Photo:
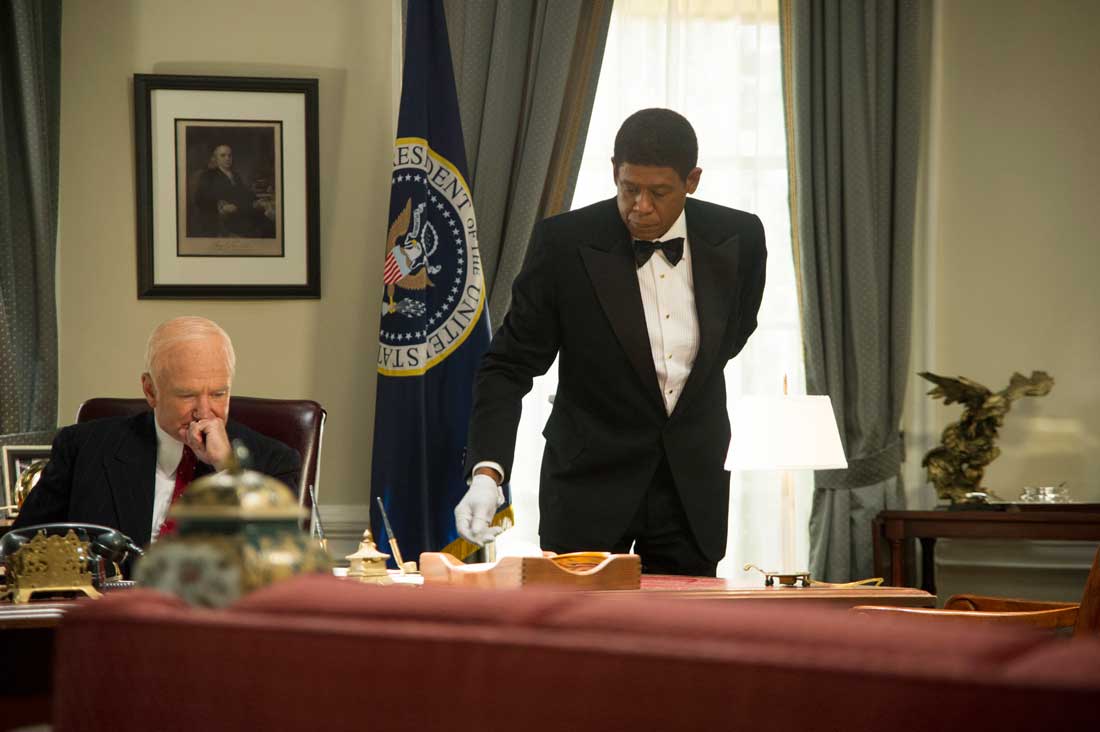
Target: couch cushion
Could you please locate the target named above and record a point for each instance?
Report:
(751, 629)
(319, 653)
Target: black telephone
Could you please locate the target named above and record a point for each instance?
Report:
(108, 547)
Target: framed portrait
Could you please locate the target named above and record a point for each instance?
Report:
(18, 459)
(227, 187)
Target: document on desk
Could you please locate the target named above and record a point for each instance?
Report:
(395, 575)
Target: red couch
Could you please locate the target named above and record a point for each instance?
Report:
(317, 653)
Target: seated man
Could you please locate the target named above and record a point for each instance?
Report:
(124, 472)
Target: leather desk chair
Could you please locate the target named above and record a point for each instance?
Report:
(298, 423)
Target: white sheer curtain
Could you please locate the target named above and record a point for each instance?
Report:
(718, 63)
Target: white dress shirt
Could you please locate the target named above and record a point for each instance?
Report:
(668, 301)
(169, 452)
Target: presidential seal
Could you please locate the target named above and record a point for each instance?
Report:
(433, 290)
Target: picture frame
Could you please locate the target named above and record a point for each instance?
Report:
(16, 459)
(228, 200)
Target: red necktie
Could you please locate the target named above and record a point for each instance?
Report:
(184, 473)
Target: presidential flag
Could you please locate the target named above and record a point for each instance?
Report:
(434, 321)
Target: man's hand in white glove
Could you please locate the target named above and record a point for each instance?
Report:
(475, 511)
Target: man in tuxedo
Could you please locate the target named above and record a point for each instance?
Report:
(125, 472)
(643, 299)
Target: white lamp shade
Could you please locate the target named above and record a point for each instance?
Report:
(784, 433)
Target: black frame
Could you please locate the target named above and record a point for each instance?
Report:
(144, 86)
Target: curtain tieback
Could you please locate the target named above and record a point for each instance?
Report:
(863, 470)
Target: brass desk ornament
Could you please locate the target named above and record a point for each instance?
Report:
(239, 530)
(54, 563)
(803, 579)
(785, 579)
(28, 479)
(63, 558)
(368, 565)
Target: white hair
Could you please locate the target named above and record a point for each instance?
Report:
(186, 328)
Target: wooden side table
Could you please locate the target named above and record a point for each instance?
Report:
(893, 529)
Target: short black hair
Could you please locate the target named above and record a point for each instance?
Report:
(658, 137)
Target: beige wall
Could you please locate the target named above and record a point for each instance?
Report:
(1014, 244)
(319, 349)
(1012, 262)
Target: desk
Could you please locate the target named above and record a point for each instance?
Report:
(33, 615)
(26, 676)
(892, 529)
(713, 589)
(668, 587)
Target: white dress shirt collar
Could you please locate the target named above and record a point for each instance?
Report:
(169, 451)
(678, 228)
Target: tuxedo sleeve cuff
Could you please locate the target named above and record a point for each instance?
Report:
(486, 464)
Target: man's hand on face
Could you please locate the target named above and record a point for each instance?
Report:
(208, 440)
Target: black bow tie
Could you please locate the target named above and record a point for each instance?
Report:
(673, 249)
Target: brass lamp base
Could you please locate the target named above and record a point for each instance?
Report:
(785, 579)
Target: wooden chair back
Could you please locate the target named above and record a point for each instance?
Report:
(1083, 617)
(1088, 615)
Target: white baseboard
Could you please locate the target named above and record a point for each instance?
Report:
(343, 526)
(1040, 570)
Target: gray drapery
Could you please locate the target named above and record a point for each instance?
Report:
(852, 97)
(30, 84)
(526, 72)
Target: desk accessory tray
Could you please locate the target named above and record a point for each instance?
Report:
(578, 570)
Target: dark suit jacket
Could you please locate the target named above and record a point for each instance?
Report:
(213, 186)
(578, 298)
(103, 472)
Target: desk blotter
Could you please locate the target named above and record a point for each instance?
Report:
(580, 570)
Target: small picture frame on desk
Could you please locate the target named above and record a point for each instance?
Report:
(18, 459)
(228, 204)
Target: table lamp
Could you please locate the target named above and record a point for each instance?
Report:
(785, 433)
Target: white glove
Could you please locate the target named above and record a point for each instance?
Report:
(475, 511)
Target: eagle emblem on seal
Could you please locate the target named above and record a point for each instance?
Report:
(410, 244)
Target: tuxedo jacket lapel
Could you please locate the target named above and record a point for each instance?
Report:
(714, 274)
(130, 475)
(610, 267)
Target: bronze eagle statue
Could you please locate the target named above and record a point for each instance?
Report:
(956, 466)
